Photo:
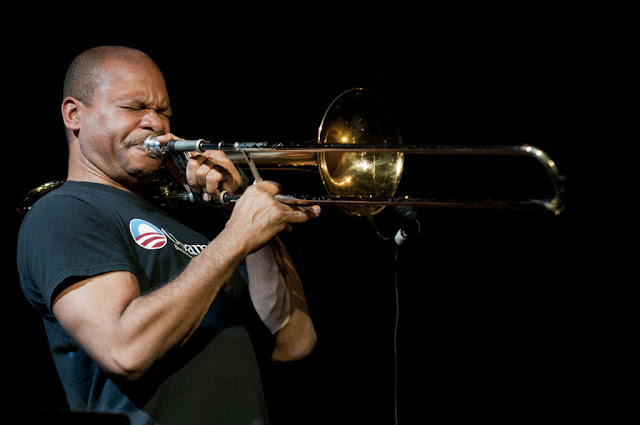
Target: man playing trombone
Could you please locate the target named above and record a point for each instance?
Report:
(145, 316)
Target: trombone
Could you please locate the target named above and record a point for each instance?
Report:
(360, 158)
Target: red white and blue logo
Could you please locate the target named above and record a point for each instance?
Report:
(146, 234)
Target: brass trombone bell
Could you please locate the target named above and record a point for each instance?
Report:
(359, 117)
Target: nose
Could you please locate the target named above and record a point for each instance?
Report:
(155, 122)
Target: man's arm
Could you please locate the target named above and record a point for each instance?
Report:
(126, 332)
(279, 299)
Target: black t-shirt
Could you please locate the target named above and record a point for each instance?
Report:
(86, 229)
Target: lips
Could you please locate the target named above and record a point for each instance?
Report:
(137, 143)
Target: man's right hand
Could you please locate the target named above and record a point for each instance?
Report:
(257, 217)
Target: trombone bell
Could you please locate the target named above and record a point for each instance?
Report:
(359, 117)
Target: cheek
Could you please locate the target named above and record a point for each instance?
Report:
(98, 133)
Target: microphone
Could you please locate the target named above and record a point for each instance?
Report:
(410, 225)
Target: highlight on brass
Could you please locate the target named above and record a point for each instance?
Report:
(359, 155)
(28, 199)
(359, 117)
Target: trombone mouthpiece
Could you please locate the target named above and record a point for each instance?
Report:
(153, 147)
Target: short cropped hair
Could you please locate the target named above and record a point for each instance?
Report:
(85, 71)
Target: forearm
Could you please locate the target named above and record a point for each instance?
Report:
(268, 287)
(279, 299)
(153, 324)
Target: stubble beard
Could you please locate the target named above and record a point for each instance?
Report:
(140, 167)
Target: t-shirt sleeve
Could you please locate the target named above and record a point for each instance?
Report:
(63, 241)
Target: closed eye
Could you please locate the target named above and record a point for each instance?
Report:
(130, 107)
(166, 112)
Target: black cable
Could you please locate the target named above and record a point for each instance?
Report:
(395, 339)
(409, 227)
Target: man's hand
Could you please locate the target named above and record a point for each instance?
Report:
(257, 217)
(209, 172)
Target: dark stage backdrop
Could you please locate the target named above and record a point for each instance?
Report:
(503, 315)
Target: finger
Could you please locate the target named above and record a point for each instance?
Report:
(211, 180)
(209, 177)
(231, 179)
(165, 138)
(193, 165)
(302, 214)
(228, 178)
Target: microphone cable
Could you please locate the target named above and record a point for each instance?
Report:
(409, 227)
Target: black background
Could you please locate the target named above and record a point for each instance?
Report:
(503, 315)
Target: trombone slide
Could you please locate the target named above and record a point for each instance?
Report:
(305, 154)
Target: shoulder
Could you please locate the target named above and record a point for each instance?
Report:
(69, 233)
(70, 193)
(61, 210)
(70, 223)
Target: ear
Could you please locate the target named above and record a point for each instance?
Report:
(70, 113)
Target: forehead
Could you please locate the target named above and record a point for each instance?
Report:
(132, 80)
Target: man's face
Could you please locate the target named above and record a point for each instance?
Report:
(130, 103)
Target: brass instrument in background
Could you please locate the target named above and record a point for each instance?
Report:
(359, 155)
